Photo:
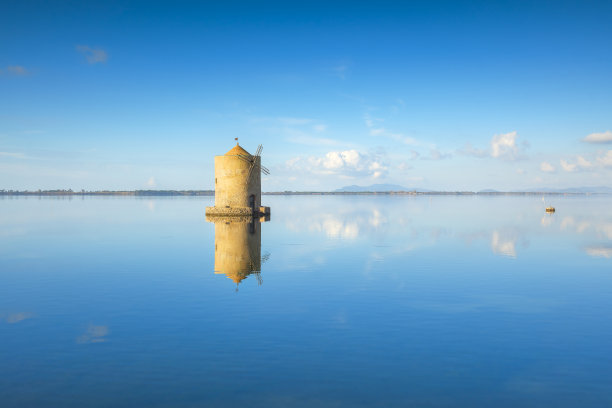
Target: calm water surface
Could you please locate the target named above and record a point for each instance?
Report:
(362, 301)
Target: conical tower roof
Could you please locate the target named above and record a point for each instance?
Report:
(237, 150)
(237, 277)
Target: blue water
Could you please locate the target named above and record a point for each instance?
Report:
(361, 301)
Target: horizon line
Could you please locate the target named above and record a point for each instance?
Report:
(151, 192)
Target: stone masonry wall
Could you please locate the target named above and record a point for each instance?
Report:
(232, 185)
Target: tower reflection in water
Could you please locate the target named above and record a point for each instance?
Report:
(238, 247)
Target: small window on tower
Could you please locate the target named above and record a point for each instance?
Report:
(215, 180)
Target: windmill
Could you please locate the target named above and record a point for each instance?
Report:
(253, 163)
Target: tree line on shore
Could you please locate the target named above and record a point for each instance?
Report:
(70, 192)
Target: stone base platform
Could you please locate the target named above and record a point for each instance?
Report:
(237, 219)
(238, 212)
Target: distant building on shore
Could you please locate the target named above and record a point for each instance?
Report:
(238, 184)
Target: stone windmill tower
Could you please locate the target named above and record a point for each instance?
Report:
(238, 184)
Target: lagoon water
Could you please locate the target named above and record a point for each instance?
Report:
(362, 301)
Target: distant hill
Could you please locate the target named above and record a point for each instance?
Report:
(377, 188)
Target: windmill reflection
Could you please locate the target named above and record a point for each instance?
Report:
(238, 247)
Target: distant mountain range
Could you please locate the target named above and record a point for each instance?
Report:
(378, 188)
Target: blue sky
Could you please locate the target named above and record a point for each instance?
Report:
(438, 95)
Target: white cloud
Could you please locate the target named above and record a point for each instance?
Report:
(580, 164)
(435, 154)
(151, 182)
(568, 166)
(403, 166)
(605, 160)
(377, 169)
(547, 167)
(335, 160)
(584, 163)
(603, 137)
(504, 146)
(293, 162)
(92, 55)
(347, 163)
(320, 128)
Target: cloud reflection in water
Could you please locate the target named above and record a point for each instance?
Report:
(93, 334)
(421, 222)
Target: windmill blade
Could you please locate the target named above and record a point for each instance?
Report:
(250, 172)
(263, 169)
(245, 158)
(254, 163)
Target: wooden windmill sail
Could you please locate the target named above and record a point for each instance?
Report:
(254, 164)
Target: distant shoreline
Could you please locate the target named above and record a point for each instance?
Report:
(195, 193)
